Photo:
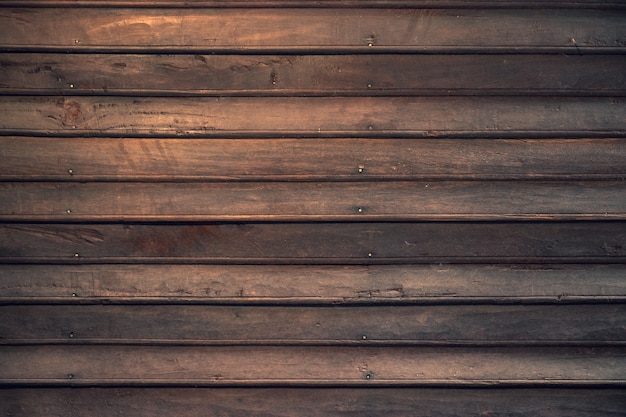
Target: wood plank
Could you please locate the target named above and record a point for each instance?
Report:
(318, 402)
(305, 243)
(312, 30)
(313, 116)
(307, 284)
(106, 159)
(461, 4)
(484, 325)
(304, 201)
(320, 75)
(311, 365)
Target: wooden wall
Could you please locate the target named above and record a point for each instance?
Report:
(312, 208)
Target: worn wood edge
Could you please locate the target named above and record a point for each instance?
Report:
(316, 342)
(316, 50)
(73, 218)
(564, 299)
(359, 261)
(337, 92)
(456, 4)
(305, 134)
(348, 383)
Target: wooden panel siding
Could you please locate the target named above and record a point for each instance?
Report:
(314, 159)
(313, 75)
(313, 208)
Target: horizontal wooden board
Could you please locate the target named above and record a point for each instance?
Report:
(305, 284)
(305, 201)
(313, 116)
(318, 402)
(329, 243)
(84, 159)
(564, 325)
(310, 365)
(312, 30)
(102, 74)
(590, 4)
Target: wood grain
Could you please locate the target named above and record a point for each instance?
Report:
(313, 116)
(338, 201)
(107, 159)
(312, 75)
(320, 402)
(312, 30)
(312, 365)
(307, 284)
(327, 243)
(560, 325)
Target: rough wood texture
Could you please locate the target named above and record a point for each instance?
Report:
(310, 365)
(288, 207)
(313, 75)
(320, 402)
(313, 116)
(244, 325)
(119, 159)
(330, 243)
(259, 201)
(305, 284)
(299, 30)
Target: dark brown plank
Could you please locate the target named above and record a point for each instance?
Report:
(312, 365)
(563, 325)
(329, 243)
(55, 74)
(338, 201)
(79, 159)
(305, 284)
(313, 116)
(319, 402)
(523, 4)
(311, 30)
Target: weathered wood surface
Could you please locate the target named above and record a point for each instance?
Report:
(307, 284)
(310, 365)
(541, 4)
(318, 75)
(313, 116)
(302, 30)
(329, 243)
(87, 159)
(304, 201)
(555, 325)
(320, 402)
